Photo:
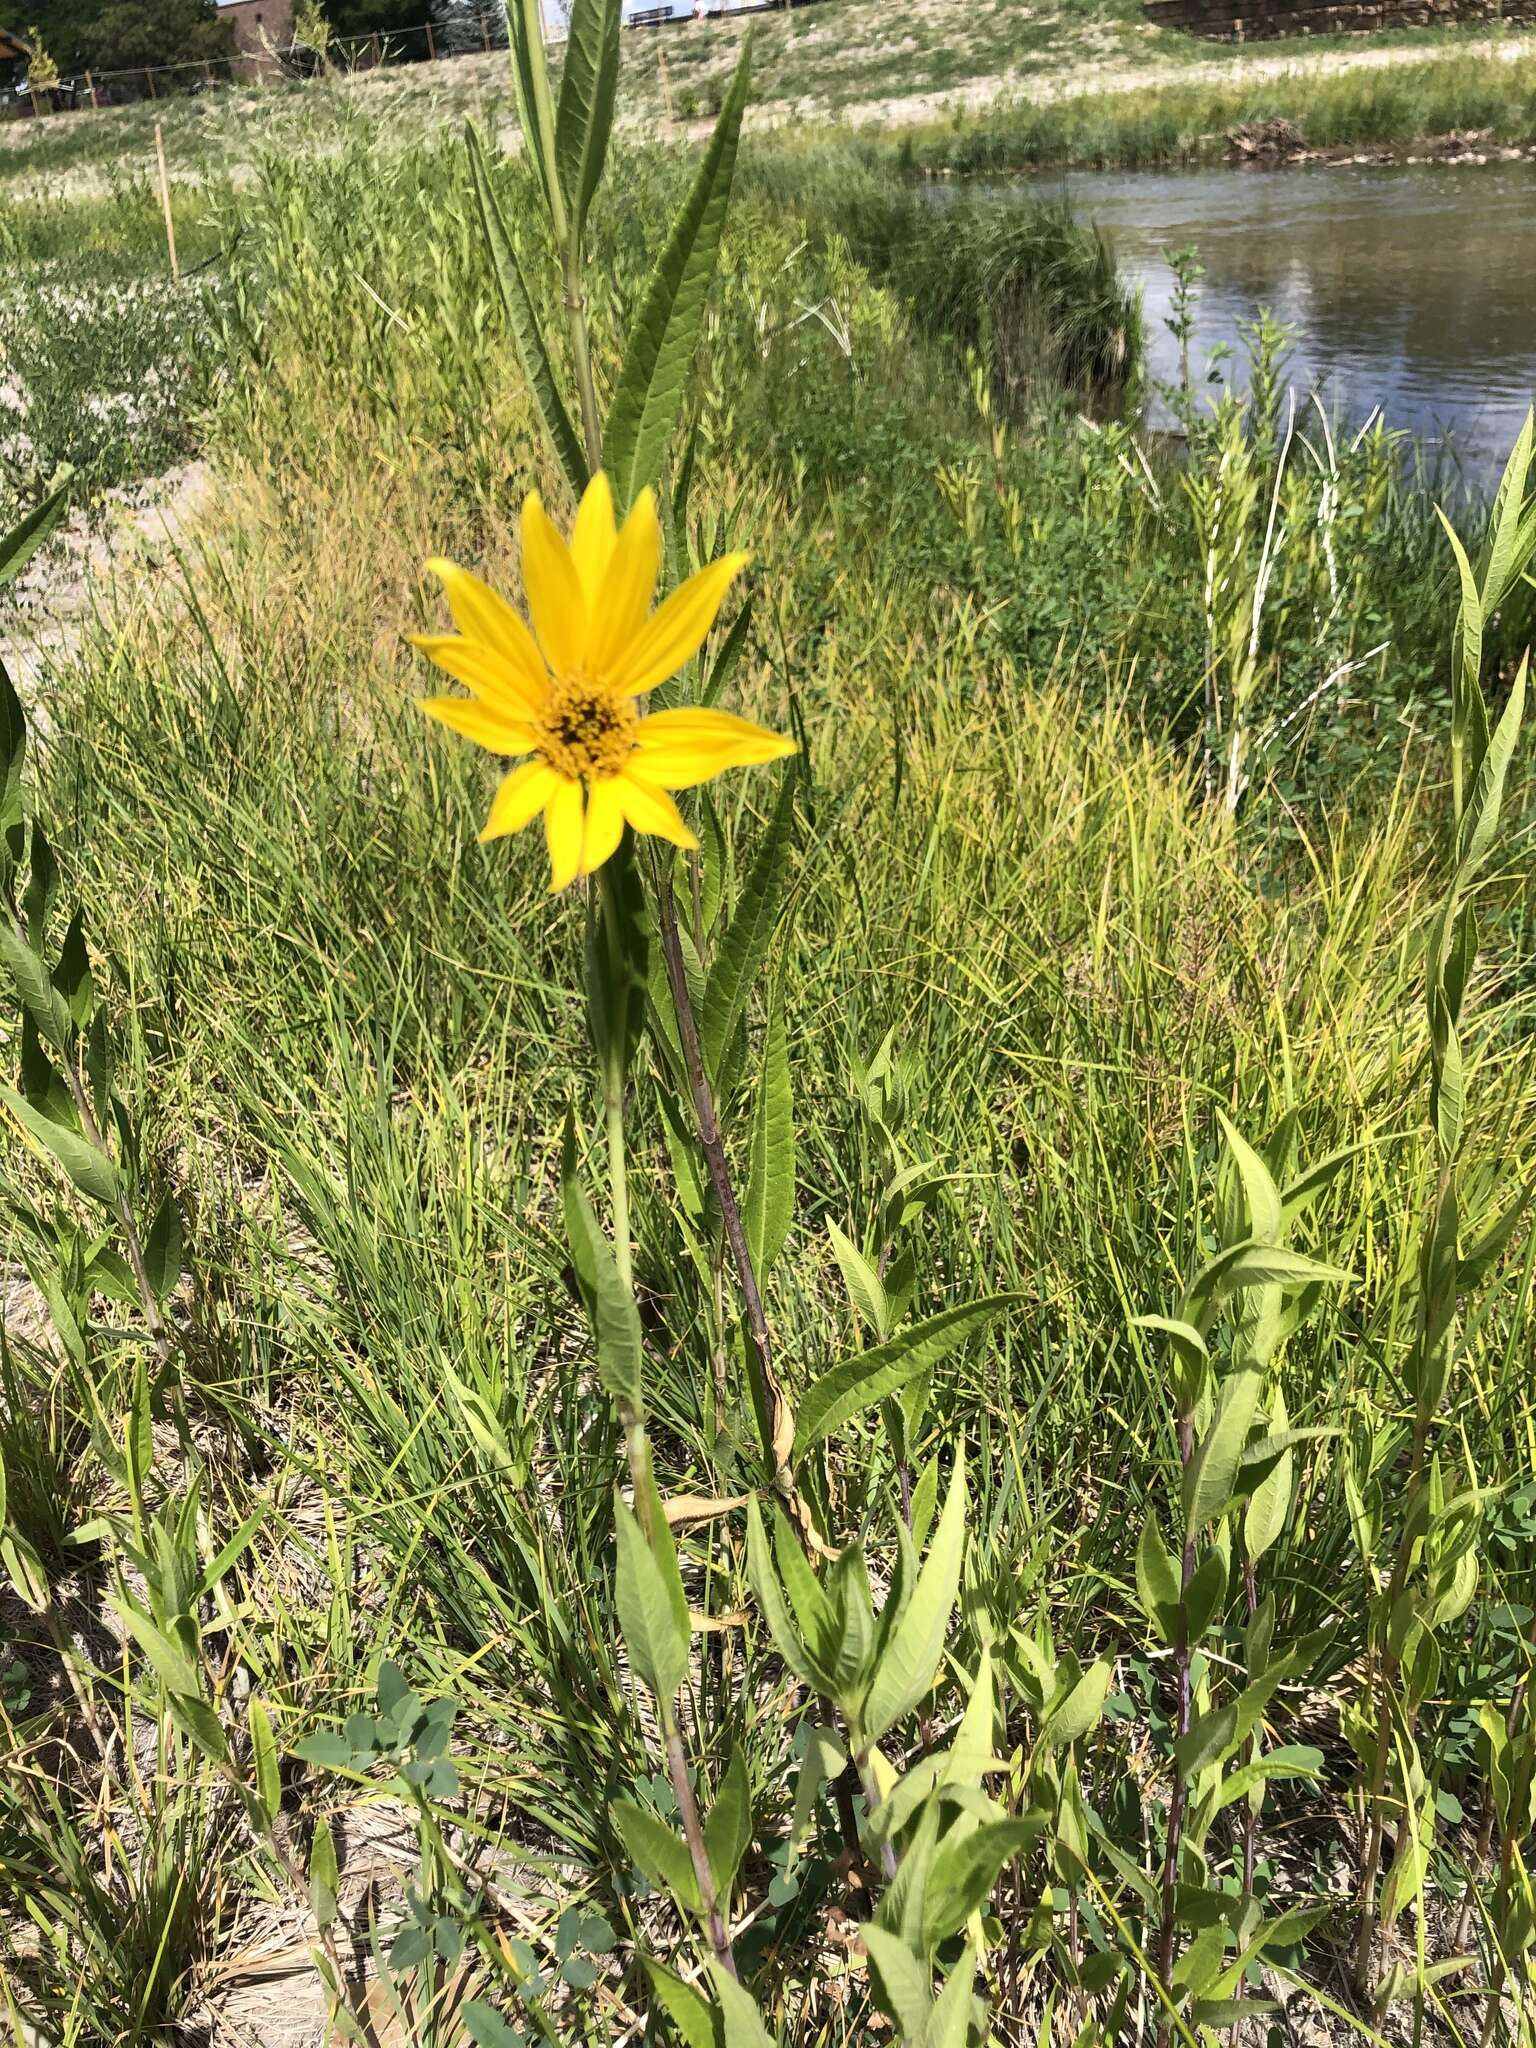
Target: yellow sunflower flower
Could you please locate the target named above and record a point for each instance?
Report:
(567, 693)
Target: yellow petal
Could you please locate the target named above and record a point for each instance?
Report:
(605, 825)
(680, 748)
(489, 674)
(592, 538)
(553, 590)
(564, 828)
(490, 622)
(522, 795)
(650, 809)
(675, 631)
(618, 612)
(482, 723)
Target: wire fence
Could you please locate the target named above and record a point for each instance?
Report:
(269, 63)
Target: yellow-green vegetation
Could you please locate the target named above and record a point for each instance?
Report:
(912, 1423)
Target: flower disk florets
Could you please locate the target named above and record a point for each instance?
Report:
(587, 731)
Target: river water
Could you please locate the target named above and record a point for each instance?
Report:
(1408, 286)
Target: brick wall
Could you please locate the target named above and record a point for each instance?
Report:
(260, 27)
(1252, 21)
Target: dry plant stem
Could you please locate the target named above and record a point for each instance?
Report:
(1168, 1925)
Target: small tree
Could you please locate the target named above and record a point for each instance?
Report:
(312, 31)
(42, 73)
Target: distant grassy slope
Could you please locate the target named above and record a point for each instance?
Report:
(851, 61)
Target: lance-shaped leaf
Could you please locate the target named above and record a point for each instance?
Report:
(728, 1829)
(21, 543)
(1211, 1474)
(585, 118)
(860, 1382)
(524, 320)
(775, 1609)
(535, 102)
(264, 1765)
(651, 1605)
(657, 1851)
(45, 1003)
(665, 335)
(91, 1171)
(770, 1201)
(910, 1658)
(743, 2022)
(1480, 823)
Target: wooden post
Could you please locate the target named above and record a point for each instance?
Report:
(165, 201)
(431, 44)
(377, 55)
(485, 34)
(149, 79)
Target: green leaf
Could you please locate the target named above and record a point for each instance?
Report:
(905, 1671)
(863, 1283)
(1252, 1265)
(904, 1980)
(658, 1851)
(691, 2013)
(659, 356)
(745, 942)
(72, 978)
(1157, 1580)
(964, 1869)
(13, 749)
(1080, 1710)
(264, 1767)
(1288, 1760)
(1205, 1592)
(1480, 823)
(24, 1569)
(173, 1665)
(486, 2027)
(198, 1720)
(774, 1608)
(1211, 1474)
(610, 1305)
(535, 103)
(1269, 1505)
(519, 307)
(585, 117)
(730, 653)
(34, 984)
(652, 1609)
(25, 538)
(91, 1171)
(1264, 1205)
(728, 1829)
(323, 1875)
(770, 1200)
(743, 2021)
(162, 1250)
(862, 1381)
